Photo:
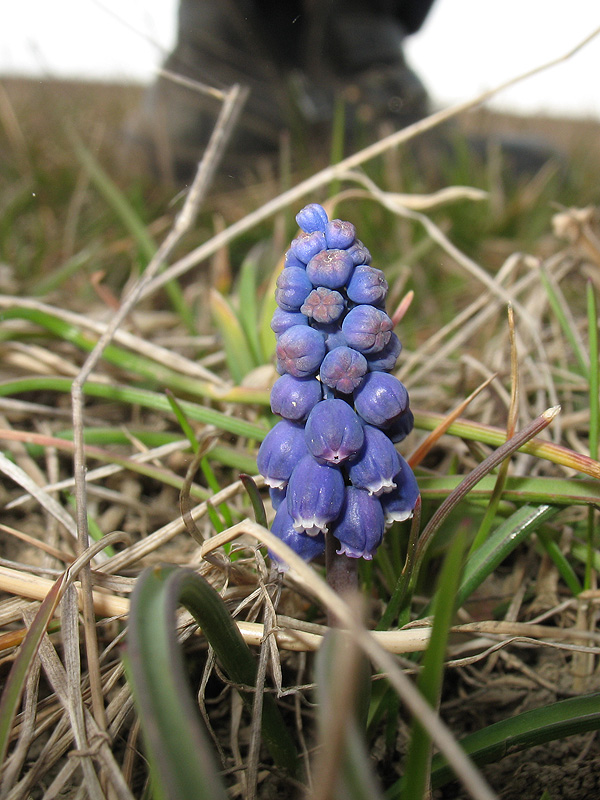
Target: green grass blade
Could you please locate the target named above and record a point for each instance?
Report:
(558, 491)
(257, 504)
(266, 335)
(592, 315)
(142, 397)
(429, 683)
(227, 456)
(565, 570)
(211, 479)
(183, 421)
(178, 749)
(248, 313)
(565, 320)
(487, 434)
(137, 364)
(136, 227)
(157, 667)
(237, 351)
(94, 529)
(49, 283)
(13, 688)
(205, 466)
(499, 545)
(554, 721)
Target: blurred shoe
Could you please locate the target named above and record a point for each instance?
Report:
(222, 43)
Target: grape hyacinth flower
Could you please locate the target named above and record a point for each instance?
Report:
(336, 479)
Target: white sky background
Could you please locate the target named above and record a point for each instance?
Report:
(465, 47)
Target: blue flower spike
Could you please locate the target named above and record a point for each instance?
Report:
(293, 287)
(330, 268)
(331, 464)
(307, 547)
(367, 329)
(376, 464)
(324, 305)
(300, 351)
(367, 285)
(282, 448)
(333, 432)
(312, 217)
(307, 245)
(360, 527)
(294, 398)
(381, 399)
(399, 503)
(340, 235)
(315, 495)
(343, 369)
(282, 320)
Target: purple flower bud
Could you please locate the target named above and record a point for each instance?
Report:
(293, 287)
(282, 320)
(282, 448)
(330, 268)
(307, 245)
(324, 305)
(340, 234)
(359, 253)
(374, 467)
(398, 504)
(385, 360)
(312, 217)
(367, 285)
(300, 351)
(367, 329)
(307, 547)
(343, 369)
(277, 496)
(401, 427)
(315, 495)
(333, 336)
(380, 399)
(360, 526)
(333, 431)
(294, 398)
(291, 260)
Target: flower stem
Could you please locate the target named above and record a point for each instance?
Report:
(342, 574)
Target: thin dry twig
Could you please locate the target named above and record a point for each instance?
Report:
(206, 170)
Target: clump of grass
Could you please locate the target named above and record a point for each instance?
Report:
(503, 552)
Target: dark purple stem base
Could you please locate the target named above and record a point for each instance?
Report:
(342, 574)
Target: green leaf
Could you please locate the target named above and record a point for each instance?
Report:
(565, 570)
(266, 335)
(142, 397)
(557, 491)
(257, 504)
(248, 307)
(500, 544)
(429, 682)
(565, 319)
(134, 363)
(179, 751)
(239, 358)
(167, 709)
(554, 721)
